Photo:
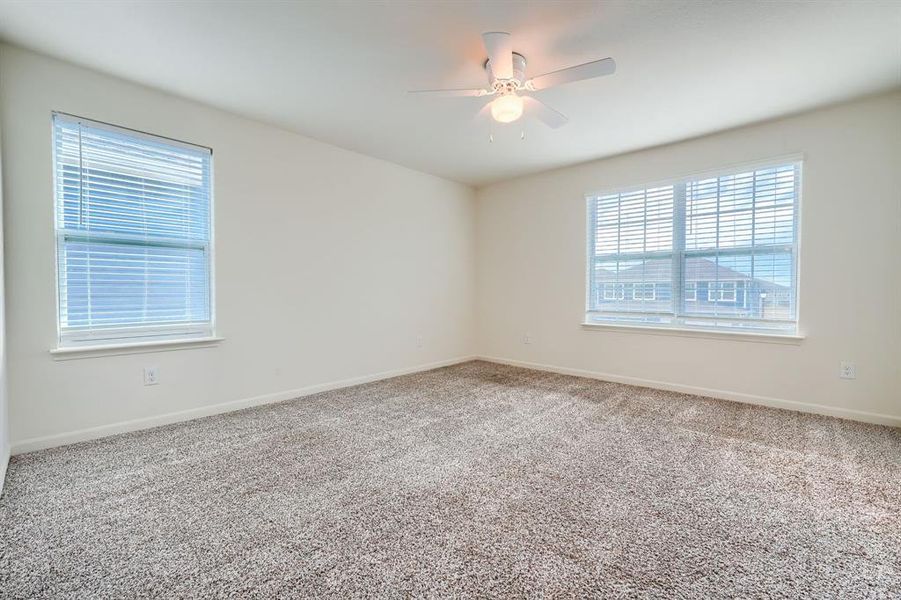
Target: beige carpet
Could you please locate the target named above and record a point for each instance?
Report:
(471, 481)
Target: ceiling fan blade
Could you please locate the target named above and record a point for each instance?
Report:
(451, 93)
(500, 53)
(590, 70)
(544, 113)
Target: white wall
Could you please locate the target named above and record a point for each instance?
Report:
(329, 264)
(531, 268)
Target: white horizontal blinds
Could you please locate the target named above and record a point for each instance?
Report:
(717, 251)
(632, 248)
(133, 233)
(739, 245)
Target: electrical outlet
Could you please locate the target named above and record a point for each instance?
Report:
(527, 338)
(847, 370)
(419, 341)
(151, 375)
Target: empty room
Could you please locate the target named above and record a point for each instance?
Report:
(446, 299)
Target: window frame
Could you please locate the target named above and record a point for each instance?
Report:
(720, 291)
(694, 293)
(619, 291)
(680, 319)
(639, 289)
(142, 338)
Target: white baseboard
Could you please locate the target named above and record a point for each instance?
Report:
(82, 435)
(819, 409)
(93, 433)
(4, 463)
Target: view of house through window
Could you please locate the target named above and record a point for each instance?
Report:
(133, 235)
(709, 252)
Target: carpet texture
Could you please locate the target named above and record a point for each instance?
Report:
(469, 481)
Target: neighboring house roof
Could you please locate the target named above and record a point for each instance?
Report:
(696, 269)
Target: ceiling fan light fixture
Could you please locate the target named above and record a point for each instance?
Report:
(506, 108)
(506, 71)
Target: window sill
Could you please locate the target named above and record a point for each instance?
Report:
(75, 352)
(739, 336)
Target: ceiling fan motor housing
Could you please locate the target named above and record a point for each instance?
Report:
(508, 86)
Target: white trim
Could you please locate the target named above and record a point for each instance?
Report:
(52, 441)
(805, 407)
(714, 334)
(132, 335)
(74, 352)
(4, 463)
(93, 433)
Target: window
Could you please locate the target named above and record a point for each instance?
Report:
(133, 235)
(644, 291)
(721, 291)
(614, 291)
(717, 251)
(691, 291)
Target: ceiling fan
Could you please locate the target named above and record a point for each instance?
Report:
(507, 81)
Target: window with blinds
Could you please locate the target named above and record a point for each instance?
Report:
(711, 252)
(133, 235)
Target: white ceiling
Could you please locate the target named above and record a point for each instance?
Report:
(338, 71)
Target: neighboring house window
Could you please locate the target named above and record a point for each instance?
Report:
(721, 291)
(691, 292)
(133, 235)
(614, 291)
(725, 245)
(644, 291)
